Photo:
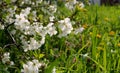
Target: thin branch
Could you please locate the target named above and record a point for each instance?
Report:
(9, 25)
(8, 45)
(9, 34)
(13, 39)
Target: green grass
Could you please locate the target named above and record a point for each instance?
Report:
(101, 21)
(96, 40)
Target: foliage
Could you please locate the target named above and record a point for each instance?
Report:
(72, 39)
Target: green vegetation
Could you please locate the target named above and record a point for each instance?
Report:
(95, 50)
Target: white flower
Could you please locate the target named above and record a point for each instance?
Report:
(22, 23)
(26, 11)
(70, 4)
(11, 63)
(42, 41)
(85, 55)
(40, 30)
(36, 62)
(54, 70)
(24, 43)
(113, 51)
(81, 5)
(31, 67)
(21, 19)
(1, 26)
(28, 68)
(32, 44)
(79, 30)
(65, 26)
(51, 29)
(6, 57)
(9, 19)
(26, 2)
(29, 30)
(10, 16)
(52, 8)
(51, 18)
(75, 1)
(38, 1)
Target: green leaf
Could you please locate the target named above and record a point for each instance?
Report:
(41, 55)
(51, 52)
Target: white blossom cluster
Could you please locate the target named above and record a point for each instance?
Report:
(78, 30)
(71, 4)
(6, 58)
(36, 2)
(52, 9)
(33, 2)
(9, 17)
(81, 5)
(2, 26)
(65, 26)
(23, 24)
(51, 30)
(32, 66)
(33, 44)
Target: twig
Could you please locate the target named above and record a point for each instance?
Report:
(7, 26)
(14, 41)
(11, 36)
(8, 45)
